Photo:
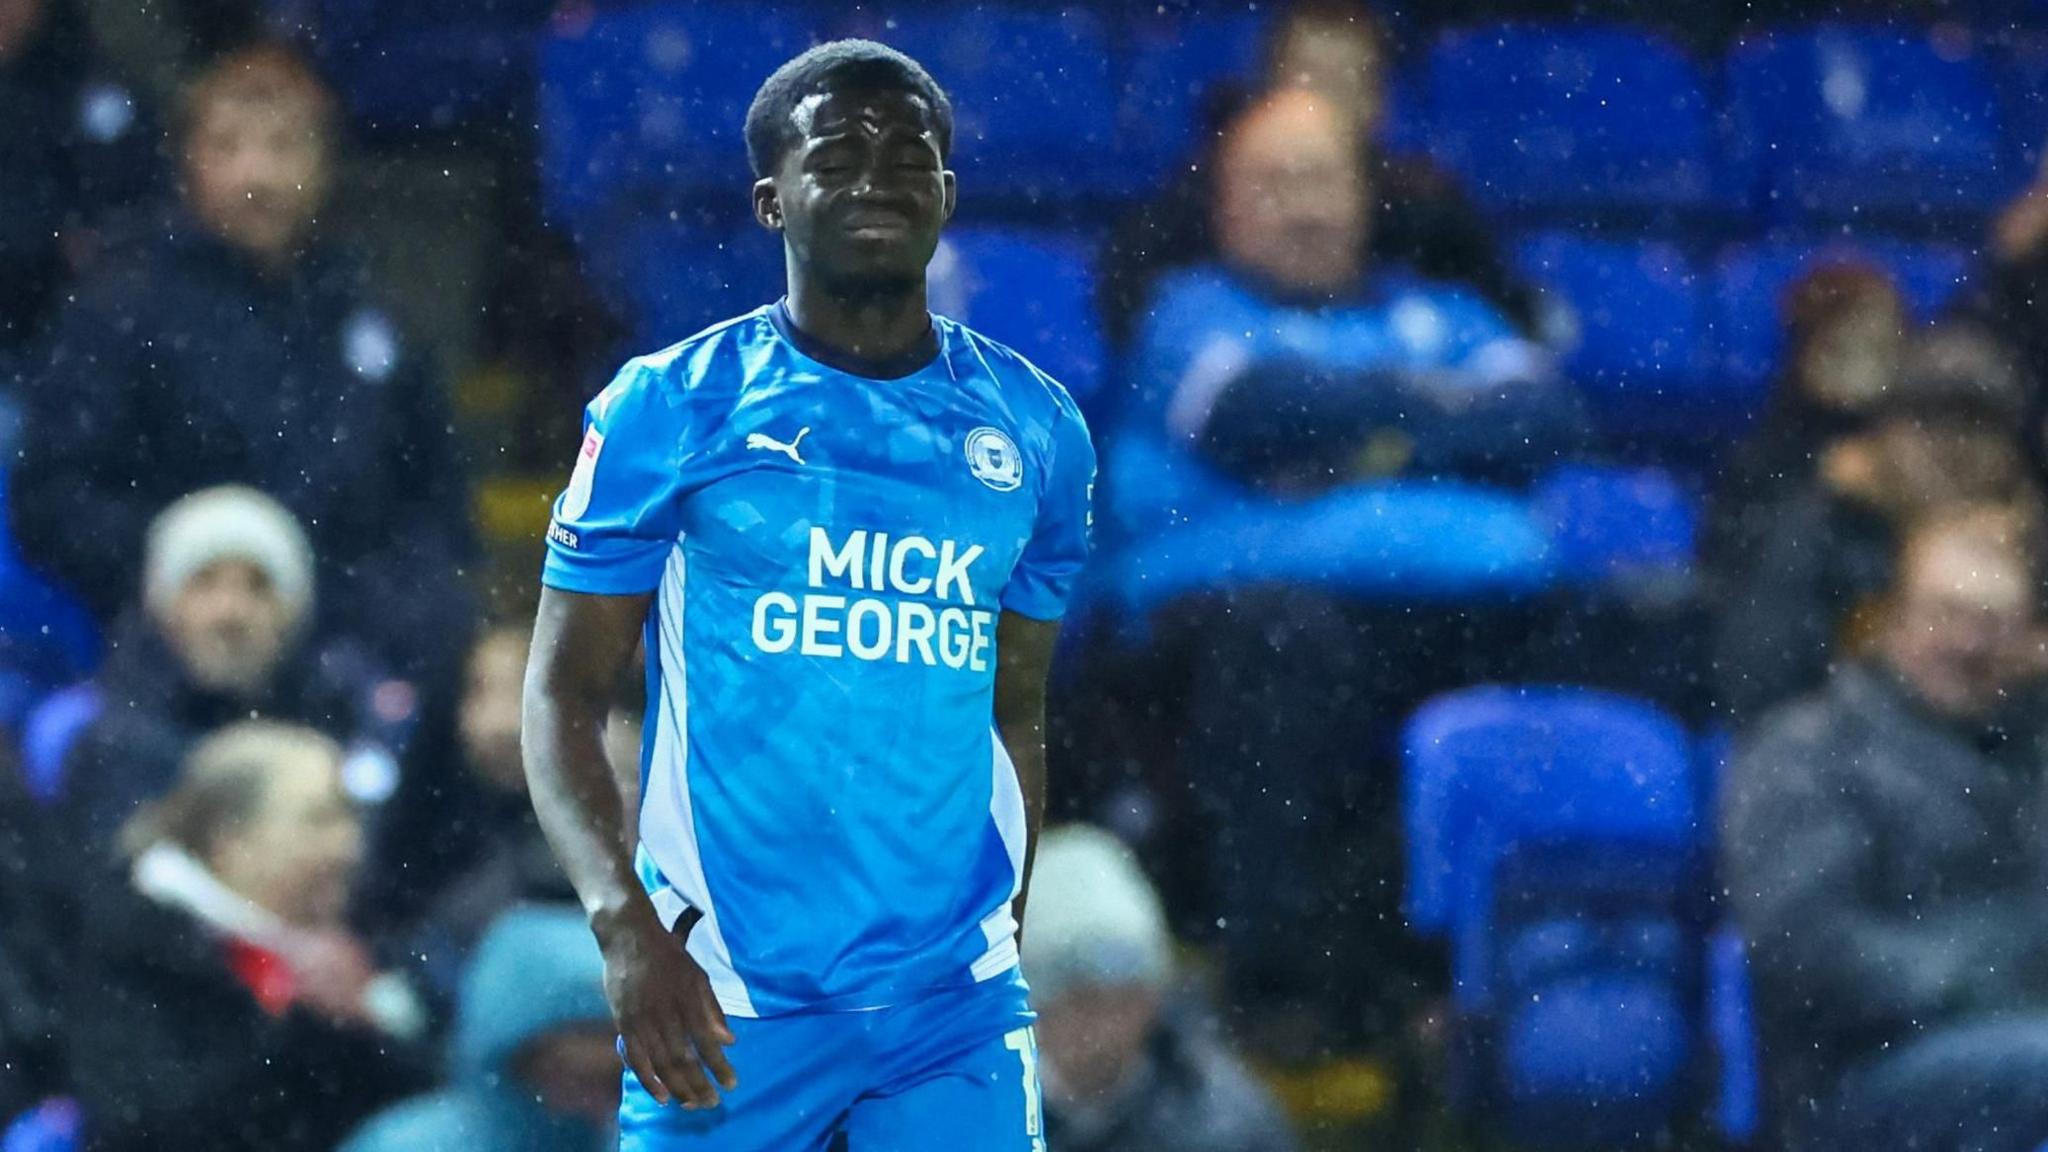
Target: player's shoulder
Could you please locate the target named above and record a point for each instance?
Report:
(1197, 286)
(1186, 306)
(1021, 381)
(707, 360)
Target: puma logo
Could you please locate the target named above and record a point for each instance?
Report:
(770, 443)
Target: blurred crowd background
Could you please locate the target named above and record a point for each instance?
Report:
(1563, 665)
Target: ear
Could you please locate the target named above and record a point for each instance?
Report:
(767, 204)
(952, 198)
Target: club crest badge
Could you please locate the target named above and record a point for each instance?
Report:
(993, 458)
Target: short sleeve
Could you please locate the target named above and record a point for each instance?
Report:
(1052, 560)
(616, 523)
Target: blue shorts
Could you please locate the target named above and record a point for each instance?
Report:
(954, 1072)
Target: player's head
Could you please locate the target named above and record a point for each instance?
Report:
(533, 1014)
(262, 807)
(1337, 49)
(1845, 335)
(1291, 202)
(1098, 955)
(1962, 626)
(849, 144)
(489, 715)
(258, 131)
(228, 582)
(19, 22)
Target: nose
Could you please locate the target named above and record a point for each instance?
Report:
(874, 189)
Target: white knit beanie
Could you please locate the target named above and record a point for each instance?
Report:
(229, 522)
(1093, 919)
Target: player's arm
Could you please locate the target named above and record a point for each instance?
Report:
(667, 1016)
(1024, 649)
(1033, 603)
(581, 646)
(613, 531)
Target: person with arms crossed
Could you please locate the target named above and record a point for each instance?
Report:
(846, 530)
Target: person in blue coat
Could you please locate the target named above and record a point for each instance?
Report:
(1291, 371)
(535, 1067)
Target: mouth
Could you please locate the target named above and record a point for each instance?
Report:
(878, 225)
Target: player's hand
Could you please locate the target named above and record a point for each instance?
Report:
(673, 1028)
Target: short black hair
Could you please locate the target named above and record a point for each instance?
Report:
(771, 128)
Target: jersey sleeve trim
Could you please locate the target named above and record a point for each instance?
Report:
(611, 575)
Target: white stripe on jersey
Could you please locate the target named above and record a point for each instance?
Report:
(1006, 807)
(667, 805)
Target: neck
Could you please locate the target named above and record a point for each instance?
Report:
(1296, 295)
(1966, 721)
(272, 263)
(872, 326)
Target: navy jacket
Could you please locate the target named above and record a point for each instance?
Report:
(152, 714)
(180, 366)
(74, 147)
(168, 1049)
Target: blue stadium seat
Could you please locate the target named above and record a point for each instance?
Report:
(1750, 283)
(47, 638)
(1731, 1024)
(677, 277)
(19, 695)
(53, 728)
(1553, 839)
(1554, 118)
(1838, 123)
(55, 1125)
(411, 65)
(1500, 761)
(1564, 830)
(2021, 63)
(1640, 318)
(1170, 64)
(1400, 542)
(651, 101)
(1034, 102)
(1608, 522)
(1595, 1058)
(1034, 291)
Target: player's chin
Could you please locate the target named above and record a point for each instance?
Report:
(882, 270)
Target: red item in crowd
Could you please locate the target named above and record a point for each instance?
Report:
(264, 973)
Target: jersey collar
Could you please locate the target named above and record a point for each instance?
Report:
(910, 363)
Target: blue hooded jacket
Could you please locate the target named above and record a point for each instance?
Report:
(536, 971)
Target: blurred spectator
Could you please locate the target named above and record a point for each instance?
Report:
(2011, 297)
(498, 837)
(1326, 371)
(32, 949)
(221, 1002)
(73, 145)
(1287, 343)
(1845, 332)
(159, 44)
(219, 636)
(536, 1059)
(1883, 846)
(1126, 1066)
(239, 347)
(1944, 432)
(1417, 216)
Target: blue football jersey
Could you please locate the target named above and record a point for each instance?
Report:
(829, 553)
